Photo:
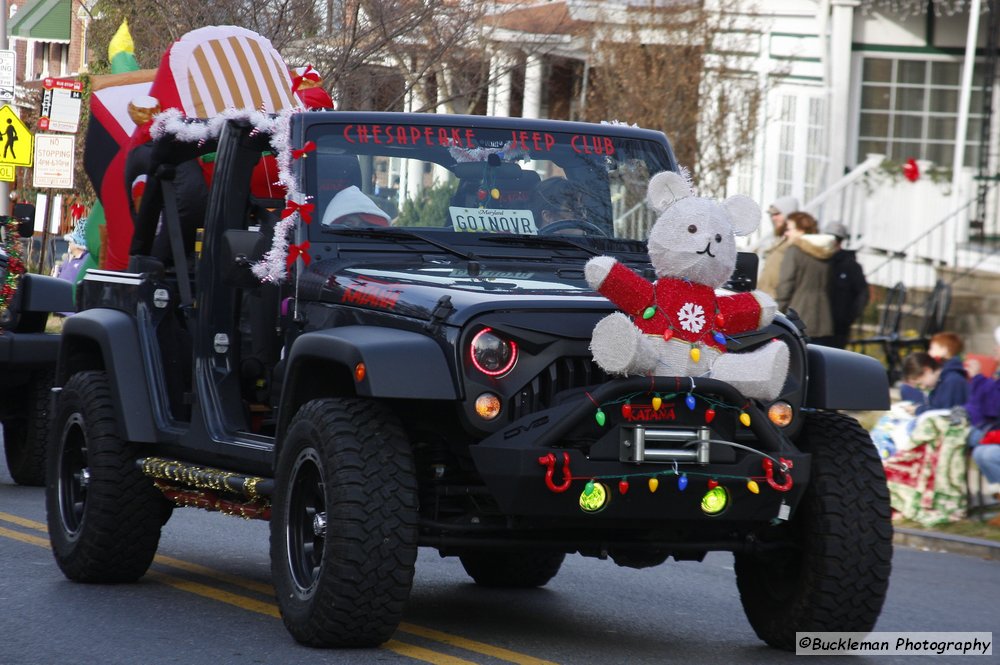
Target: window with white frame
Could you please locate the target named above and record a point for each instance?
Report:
(909, 108)
(802, 158)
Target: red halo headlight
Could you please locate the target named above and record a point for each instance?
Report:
(491, 354)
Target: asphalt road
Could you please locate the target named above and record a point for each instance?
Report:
(208, 601)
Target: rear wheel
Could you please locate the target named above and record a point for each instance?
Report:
(344, 524)
(836, 576)
(25, 440)
(512, 570)
(104, 515)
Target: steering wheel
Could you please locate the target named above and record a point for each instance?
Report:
(579, 224)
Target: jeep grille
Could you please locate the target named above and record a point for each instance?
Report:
(564, 374)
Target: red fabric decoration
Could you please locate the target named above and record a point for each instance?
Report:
(295, 251)
(264, 179)
(309, 146)
(309, 74)
(76, 211)
(304, 209)
(993, 436)
(910, 170)
(688, 309)
(315, 98)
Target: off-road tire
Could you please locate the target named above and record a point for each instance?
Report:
(104, 515)
(25, 441)
(347, 585)
(836, 577)
(511, 570)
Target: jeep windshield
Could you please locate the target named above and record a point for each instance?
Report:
(470, 179)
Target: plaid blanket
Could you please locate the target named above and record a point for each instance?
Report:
(927, 481)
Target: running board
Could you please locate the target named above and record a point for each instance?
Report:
(210, 489)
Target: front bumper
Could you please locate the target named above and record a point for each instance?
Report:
(541, 465)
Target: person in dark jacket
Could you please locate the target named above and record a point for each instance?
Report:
(950, 382)
(848, 287)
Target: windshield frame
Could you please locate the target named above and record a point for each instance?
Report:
(431, 127)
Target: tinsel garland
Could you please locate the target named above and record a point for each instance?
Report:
(15, 263)
(274, 266)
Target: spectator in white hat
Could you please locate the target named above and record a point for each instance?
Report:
(772, 249)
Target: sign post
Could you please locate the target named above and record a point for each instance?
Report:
(54, 160)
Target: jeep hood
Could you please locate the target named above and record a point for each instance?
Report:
(414, 289)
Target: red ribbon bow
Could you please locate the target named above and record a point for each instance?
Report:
(309, 146)
(295, 251)
(304, 210)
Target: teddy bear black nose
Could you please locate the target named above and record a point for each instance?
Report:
(692, 229)
(718, 237)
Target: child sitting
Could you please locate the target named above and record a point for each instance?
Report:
(892, 431)
(951, 385)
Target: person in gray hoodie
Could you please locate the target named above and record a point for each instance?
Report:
(804, 278)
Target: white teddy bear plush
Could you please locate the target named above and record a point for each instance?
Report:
(677, 326)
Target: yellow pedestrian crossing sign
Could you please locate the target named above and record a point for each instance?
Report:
(16, 142)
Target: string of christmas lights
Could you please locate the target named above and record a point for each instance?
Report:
(657, 399)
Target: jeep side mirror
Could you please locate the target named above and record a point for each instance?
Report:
(744, 277)
(24, 213)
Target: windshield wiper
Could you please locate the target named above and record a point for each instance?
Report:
(538, 241)
(396, 233)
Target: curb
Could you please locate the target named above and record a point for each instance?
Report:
(944, 542)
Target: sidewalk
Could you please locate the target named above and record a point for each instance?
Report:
(946, 542)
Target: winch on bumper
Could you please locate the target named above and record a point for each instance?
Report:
(610, 455)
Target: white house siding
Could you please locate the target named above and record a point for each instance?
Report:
(811, 129)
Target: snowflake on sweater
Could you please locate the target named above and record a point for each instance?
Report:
(691, 317)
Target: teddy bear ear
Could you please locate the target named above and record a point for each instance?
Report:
(744, 212)
(665, 188)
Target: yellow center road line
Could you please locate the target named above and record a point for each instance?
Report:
(21, 521)
(206, 591)
(271, 610)
(24, 537)
(472, 645)
(197, 569)
(259, 587)
(426, 655)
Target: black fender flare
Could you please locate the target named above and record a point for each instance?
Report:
(108, 339)
(399, 364)
(844, 380)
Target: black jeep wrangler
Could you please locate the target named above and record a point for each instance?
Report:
(422, 377)
(27, 352)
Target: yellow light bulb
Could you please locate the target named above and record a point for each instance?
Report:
(695, 353)
(753, 486)
(657, 403)
(653, 484)
(745, 419)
